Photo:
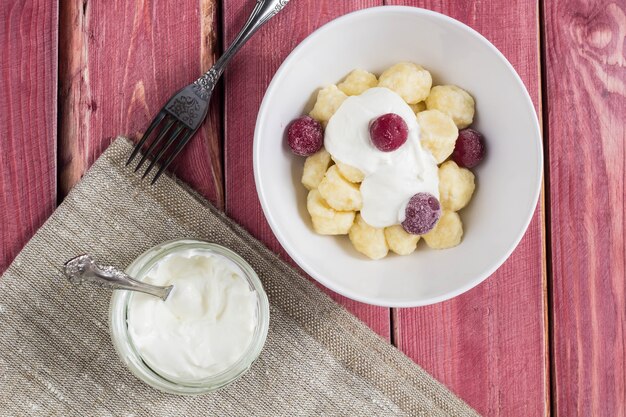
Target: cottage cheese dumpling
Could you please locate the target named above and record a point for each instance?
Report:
(447, 233)
(438, 133)
(338, 192)
(399, 241)
(326, 220)
(328, 101)
(456, 186)
(357, 82)
(368, 240)
(350, 173)
(409, 80)
(315, 166)
(453, 101)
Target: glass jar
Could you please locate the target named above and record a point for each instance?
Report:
(130, 356)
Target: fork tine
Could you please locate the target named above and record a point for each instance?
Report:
(167, 144)
(159, 117)
(179, 147)
(168, 124)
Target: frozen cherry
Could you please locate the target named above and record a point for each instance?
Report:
(305, 136)
(469, 149)
(388, 132)
(422, 213)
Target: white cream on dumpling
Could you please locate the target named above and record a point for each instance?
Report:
(391, 178)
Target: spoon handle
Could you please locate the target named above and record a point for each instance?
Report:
(83, 268)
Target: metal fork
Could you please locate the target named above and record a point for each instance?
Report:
(183, 114)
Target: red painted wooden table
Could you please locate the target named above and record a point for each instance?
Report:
(546, 334)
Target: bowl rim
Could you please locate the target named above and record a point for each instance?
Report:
(263, 109)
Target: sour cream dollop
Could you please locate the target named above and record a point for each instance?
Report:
(391, 178)
(205, 325)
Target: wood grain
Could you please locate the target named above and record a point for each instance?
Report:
(489, 345)
(247, 79)
(28, 120)
(586, 95)
(120, 62)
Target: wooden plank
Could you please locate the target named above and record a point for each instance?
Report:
(247, 78)
(586, 94)
(489, 345)
(121, 61)
(28, 115)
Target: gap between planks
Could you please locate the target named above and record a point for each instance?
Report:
(547, 217)
(118, 67)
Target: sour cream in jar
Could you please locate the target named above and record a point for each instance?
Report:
(185, 344)
(207, 323)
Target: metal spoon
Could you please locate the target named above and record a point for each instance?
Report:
(83, 268)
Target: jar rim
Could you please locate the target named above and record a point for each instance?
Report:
(128, 353)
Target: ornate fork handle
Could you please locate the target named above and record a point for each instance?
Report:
(180, 118)
(263, 11)
(83, 268)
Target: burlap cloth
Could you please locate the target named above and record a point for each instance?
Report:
(56, 357)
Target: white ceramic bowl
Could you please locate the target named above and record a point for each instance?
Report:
(508, 180)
